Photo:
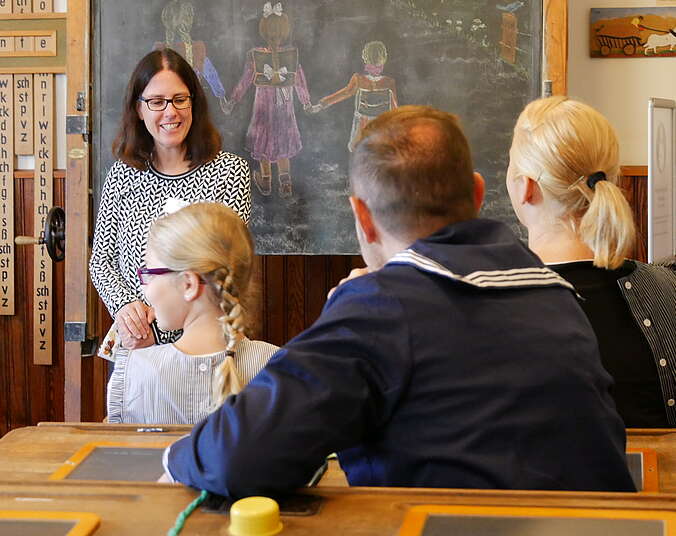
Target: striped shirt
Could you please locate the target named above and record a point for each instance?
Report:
(162, 385)
(633, 312)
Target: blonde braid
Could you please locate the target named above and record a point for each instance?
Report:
(227, 380)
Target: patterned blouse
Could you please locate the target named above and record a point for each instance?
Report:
(132, 199)
(162, 385)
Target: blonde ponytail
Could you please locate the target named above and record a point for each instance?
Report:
(607, 226)
(561, 143)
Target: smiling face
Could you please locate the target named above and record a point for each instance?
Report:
(169, 127)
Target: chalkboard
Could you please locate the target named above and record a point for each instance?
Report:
(479, 59)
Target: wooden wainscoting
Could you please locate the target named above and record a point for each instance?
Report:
(635, 185)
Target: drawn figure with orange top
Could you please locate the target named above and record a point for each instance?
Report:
(275, 71)
(373, 92)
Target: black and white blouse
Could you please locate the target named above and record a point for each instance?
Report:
(132, 199)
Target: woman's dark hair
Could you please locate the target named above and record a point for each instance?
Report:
(134, 144)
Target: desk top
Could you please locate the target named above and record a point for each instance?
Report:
(142, 509)
(33, 453)
(663, 442)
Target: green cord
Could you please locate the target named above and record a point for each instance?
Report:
(180, 520)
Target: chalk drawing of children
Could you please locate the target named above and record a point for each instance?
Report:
(177, 18)
(374, 93)
(275, 72)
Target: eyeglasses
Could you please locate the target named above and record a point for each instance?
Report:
(144, 272)
(159, 104)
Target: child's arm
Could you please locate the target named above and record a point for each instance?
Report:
(348, 91)
(393, 95)
(301, 88)
(211, 76)
(243, 84)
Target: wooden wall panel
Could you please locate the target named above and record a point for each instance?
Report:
(30, 393)
(292, 291)
(634, 182)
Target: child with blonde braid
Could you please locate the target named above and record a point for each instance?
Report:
(198, 265)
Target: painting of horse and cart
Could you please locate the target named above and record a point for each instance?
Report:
(632, 32)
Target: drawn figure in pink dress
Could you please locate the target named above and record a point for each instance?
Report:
(373, 92)
(275, 71)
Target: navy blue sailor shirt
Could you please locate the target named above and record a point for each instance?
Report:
(463, 363)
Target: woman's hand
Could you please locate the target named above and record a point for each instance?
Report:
(133, 325)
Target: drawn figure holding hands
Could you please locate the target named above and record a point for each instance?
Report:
(275, 71)
(374, 92)
(177, 18)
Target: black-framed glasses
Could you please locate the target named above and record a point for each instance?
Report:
(159, 104)
(143, 273)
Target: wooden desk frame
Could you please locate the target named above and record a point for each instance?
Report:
(650, 469)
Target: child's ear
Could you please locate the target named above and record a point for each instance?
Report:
(190, 285)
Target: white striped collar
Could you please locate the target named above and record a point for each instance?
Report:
(534, 276)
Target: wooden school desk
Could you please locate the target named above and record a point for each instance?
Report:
(145, 509)
(36, 452)
(662, 441)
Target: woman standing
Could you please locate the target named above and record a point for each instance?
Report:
(169, 155)
(561, 180)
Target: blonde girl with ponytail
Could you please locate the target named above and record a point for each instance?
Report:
(198, 266)
(563, 184)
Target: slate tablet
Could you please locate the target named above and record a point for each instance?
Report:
(127, 462)
(37, 523)
(459, 520)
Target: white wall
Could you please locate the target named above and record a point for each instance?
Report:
(28, 162)
(618, 88)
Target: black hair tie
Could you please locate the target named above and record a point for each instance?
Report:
(594, 178)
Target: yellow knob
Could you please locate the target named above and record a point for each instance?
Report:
(255, 516)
